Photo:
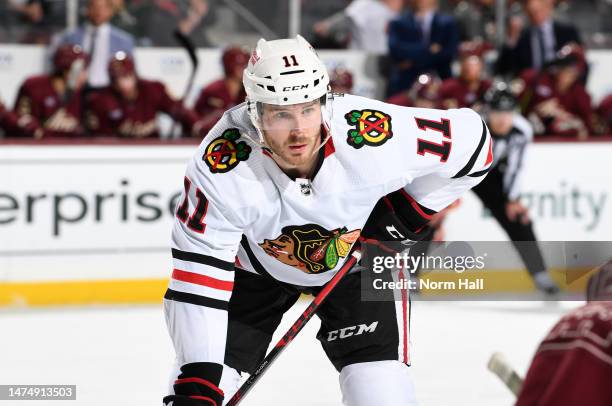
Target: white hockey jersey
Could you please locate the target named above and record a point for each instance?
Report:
(239, 208)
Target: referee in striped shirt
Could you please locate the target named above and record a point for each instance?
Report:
(500, 190)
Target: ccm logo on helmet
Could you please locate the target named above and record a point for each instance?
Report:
(299, 87)
(350, 331)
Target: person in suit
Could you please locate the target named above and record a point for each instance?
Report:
(538, 43)
(100, 40)
(421, 40)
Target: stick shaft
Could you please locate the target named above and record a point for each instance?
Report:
(293, 330)
(189, 47)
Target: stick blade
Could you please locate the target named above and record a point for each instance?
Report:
(499, 365)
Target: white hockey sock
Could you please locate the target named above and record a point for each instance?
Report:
(380, 383)
(230, 381)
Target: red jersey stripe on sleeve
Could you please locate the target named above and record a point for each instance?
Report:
(202, 280)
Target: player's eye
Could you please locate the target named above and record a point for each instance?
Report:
(282, 115)
(308, 110)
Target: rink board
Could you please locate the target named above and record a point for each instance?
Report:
(91, 223)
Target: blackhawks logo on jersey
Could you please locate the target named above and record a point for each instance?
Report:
(372, 127)
(310, 247)
(223, 153)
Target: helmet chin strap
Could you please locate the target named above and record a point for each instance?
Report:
(325, 119)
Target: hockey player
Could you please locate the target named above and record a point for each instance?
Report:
(469, 88)
(555, 100)
(274, 198)
(501, 189)
(224, 93)
(50, 105)
(573, 364)
(341, 80)
(8, 122)
(604, 115)
(129, 106)
(423, 93)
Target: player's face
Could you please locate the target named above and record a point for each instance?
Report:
(236, 72)
(293, 132)
(126, 86)
(567, 76)
(471, 68)
(500, 122)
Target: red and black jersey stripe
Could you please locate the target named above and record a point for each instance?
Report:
(469, 166)
(202, 259)
(198, 284)
(194, 299)
(413, 214)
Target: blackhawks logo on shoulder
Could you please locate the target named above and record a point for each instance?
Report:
(372, 127)
(223, 153)
(310, 247)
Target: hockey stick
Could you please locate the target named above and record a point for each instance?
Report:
(499, 365)
(188, 45)
(293, 330)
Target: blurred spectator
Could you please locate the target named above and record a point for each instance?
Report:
(123, 17)
(50, 105)
(422, 40)
(158, 19)
(573, 364)
(365, 21)
(129, 106)
(31, 21)
(8, 15)
(424, 93)
(476, 20)
(536, 44)
(224, 93)
(604, 115)
(469, 88)
(314, 12)
(501, 188)
(555, 100)
(44, 18)
(341, 80)
(100, 40)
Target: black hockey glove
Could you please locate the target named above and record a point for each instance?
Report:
(197, 385)
(396, 223)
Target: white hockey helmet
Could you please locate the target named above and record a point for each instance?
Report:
(283, 72)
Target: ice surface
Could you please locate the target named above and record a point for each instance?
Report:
(122, 355)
